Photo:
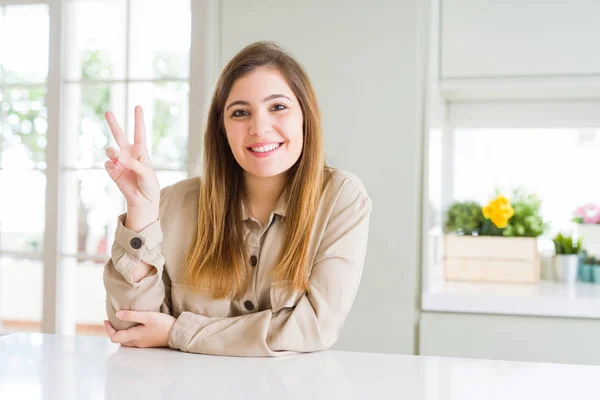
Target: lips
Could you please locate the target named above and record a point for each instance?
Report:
(264, 147)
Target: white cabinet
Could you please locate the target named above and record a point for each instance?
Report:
(519, 38)
(504, 337)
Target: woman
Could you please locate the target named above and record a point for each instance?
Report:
(262, 255)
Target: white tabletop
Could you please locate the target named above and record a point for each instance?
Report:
(36, 366)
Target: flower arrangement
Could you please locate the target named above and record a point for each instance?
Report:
(499, 211)
(518, 217)
(588, 213)
(494, 243)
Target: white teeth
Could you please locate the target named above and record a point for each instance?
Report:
(264, 149)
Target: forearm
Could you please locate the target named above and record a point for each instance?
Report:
(244, 336)
(292, 329)
(136, 220)
(148, 295)
(133, 275)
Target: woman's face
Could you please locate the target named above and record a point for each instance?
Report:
(263, 122)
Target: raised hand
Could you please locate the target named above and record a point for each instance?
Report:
(130, 168)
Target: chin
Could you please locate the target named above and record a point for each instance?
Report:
(267, 173)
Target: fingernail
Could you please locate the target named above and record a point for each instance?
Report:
(120, 314)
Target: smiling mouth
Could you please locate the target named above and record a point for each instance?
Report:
(266, 148)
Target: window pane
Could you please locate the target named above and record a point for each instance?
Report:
(24, 126)
(166, 117)
(22, 212)
(87, 133)
(554, 163)
(89, 308)
(97, 202)
(24, 43)
(160, 39)
(95, 46)
(166, 178)
(21, 294)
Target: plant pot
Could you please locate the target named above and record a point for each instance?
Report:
(587, 274)
(596, 274)
(566, 267)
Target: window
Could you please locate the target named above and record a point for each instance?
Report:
(24, 41)
(141, 57)
(551, 149)
(115, 67)
(556, 164)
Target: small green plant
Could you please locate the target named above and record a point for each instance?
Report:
(464, 218)
(564, 244)
(527, 220)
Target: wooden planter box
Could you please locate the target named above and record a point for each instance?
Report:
(491, 259)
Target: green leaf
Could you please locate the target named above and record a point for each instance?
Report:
(464, 218)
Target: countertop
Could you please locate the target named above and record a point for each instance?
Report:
(546, 298)
(40, 366)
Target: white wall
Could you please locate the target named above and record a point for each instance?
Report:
(513, 49)
(364, 63)
(515, 38)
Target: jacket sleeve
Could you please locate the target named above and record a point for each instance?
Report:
(130, 248)
(315, 321)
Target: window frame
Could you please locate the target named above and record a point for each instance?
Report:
(205, 61)
(450, 115)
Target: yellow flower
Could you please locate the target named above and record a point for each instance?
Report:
(499, 211)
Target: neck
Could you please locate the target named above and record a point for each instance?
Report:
(262, 193)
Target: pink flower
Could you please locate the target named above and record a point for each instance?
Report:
(590, 213)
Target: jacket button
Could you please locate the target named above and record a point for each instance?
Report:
(136, 243)
(249, 306)
(253, 261)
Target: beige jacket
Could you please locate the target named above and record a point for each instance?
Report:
(270, 319)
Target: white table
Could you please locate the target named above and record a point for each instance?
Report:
(36, 366)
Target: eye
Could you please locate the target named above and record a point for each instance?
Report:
(278, 107)
(239, 113)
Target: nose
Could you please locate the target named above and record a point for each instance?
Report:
(260, 124)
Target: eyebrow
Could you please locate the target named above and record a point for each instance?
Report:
(245, 103)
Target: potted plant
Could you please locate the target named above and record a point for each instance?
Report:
(566, 260)
(495, 243)
(587, 218)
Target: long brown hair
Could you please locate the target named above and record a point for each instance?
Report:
(217, 257)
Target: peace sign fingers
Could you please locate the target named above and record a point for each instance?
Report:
(139, 131)
(116, 131)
